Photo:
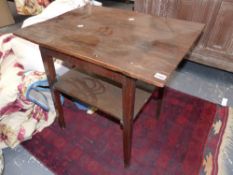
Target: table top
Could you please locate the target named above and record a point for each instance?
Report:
(135, 44)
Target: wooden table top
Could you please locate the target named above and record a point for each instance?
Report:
(138, 45)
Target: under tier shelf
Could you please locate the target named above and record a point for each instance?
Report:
(99, 92)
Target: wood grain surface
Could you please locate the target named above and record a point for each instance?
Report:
(134, 44)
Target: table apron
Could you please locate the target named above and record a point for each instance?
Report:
(85, 65)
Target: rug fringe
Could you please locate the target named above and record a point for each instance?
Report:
(225, 159)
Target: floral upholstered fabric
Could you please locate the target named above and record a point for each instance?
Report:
(19, 117)
(31, 7)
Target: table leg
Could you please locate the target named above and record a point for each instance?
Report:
(128, 99)
(51, 75)
(160, 102)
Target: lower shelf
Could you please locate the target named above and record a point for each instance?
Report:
(99, 92)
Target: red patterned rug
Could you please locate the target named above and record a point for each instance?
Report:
(92, 144)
